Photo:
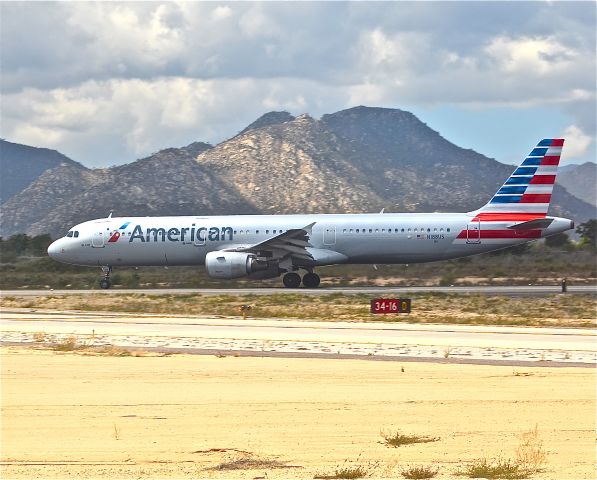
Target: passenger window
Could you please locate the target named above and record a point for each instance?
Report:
(402, 230)
(409, 229)
(351, 230)
(344, 231)
(447, 229)
(441, 229)
(257, 232)
(428, 229)
(267, 232)
(357, 230)
(370, 230)
(414, 229)
(383, 230)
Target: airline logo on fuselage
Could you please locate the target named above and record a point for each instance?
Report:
(183, 234)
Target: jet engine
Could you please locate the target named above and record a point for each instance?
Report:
(221, 264)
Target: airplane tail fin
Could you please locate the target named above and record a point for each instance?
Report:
(527, 193)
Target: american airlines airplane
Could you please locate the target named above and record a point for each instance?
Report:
(267, 246)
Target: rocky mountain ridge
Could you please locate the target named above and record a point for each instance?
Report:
(581, 181)
(21, 165)
(357, 160)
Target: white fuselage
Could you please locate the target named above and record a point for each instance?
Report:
(335, 239)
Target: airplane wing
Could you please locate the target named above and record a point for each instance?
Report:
(291, 243)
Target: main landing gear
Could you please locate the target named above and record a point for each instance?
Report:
(293, 280)
(105, 282)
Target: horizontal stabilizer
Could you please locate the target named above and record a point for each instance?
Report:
(538, 223)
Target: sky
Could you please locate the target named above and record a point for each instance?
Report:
(107, 83)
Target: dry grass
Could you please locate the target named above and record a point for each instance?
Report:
(497, 468)
(397, 439)
(419, 473)
(73, 344)
(530, 457)
(116, 432)
(251, 462)
(552, 310)
(530, 453)
(351, 469)
(69, 344)
(39, 337)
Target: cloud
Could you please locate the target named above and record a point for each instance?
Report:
(113, 80)
(577, 142)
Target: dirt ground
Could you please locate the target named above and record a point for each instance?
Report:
(67, 415)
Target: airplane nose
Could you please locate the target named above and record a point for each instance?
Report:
(53, 249)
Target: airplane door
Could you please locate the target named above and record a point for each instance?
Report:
(97, 240)
(473, 232)
(329, 236)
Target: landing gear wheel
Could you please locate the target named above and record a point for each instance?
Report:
(292, 280)
(105, 282)
(311, 280)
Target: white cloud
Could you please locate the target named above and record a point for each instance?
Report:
(577, 142)
(535, 56)
(221, 12)
(133, 77)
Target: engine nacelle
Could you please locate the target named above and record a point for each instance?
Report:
(221, 264)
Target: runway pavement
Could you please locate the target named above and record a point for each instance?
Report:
(511, 290)
(455, 343)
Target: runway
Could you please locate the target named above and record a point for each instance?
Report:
(271, 337)
(511, 290)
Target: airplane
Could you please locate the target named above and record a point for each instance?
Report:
(267, 246)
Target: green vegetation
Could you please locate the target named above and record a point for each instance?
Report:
(25, 264)
(397, 439)
(588, 234)
(22, 246)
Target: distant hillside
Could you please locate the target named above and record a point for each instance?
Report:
(581, 181)
(21, 165)
(168, 182)
(357, 160)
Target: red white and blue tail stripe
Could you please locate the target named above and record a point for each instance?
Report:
(527, 193)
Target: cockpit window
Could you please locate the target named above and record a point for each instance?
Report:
(69, 234)
(76, 233)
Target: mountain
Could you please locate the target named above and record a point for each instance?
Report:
(168, 182)
(356, 160)
(581, 181)
(21, 165)
(267, 119)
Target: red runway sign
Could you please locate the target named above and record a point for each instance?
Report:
(390, 305)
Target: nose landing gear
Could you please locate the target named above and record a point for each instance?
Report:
(105, 282)
(293, 280)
